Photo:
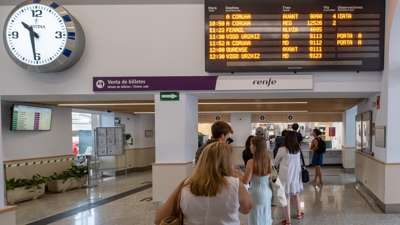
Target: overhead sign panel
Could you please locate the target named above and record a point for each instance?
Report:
(198, 83)
(292, 35)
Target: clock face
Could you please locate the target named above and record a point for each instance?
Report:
(42, 36)
(36, 34)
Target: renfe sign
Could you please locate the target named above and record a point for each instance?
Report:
(197, 83)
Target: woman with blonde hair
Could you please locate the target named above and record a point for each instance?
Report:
(212, 194)
(258, 171)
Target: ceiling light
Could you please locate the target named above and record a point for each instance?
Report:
(200, 103)
(106, 104)
(249, 103)
(233, 112)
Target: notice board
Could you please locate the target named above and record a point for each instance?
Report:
(110, 141)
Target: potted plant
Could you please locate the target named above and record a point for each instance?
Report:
(25, 189)
(127, 138)
(74, 177)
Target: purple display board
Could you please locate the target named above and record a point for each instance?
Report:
(154, 83)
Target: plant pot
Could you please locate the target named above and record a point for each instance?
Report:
(70, 183)
(22, 194)
(58, 185)
(76, 182)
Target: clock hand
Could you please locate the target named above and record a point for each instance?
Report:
(32, 36)
(28, 27)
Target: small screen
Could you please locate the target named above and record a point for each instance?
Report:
(30, 118)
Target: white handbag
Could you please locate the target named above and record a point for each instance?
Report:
(278, 191)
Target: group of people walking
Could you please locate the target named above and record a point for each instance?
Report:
(215, 193)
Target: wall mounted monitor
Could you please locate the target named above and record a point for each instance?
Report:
(292, 35)
(32, 118)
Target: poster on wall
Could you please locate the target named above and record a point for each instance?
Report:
(332, 131)
(366, 132)
(358, 132)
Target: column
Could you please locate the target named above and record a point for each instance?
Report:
(241, 125)
(7, 213)
(349, 140)
(176, 143)
(2, 184)
(378, 174)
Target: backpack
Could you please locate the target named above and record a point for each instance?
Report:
(321, 146)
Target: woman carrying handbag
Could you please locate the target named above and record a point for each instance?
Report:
(288, 158)
(212, 194)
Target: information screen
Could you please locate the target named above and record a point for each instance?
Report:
(31, 118)
(289, 35)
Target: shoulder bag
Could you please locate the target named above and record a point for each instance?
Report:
(305, 176)
(177, 215)
(278, 191)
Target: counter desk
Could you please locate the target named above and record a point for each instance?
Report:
(331, 156)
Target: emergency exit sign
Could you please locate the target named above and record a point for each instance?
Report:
(169, 96)
(117, 121)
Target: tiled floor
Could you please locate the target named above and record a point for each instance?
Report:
(126, 200)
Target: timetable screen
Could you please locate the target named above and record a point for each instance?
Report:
(288, 35)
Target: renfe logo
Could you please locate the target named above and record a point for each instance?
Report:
(264, 82)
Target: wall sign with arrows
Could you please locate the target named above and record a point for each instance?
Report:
(169, 96)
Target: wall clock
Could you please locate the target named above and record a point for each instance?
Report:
(41, 36)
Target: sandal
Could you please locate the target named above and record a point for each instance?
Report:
(320, 184)
(314, 181)
(285, 223)
(300, 216)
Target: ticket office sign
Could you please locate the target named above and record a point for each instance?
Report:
(289, 35)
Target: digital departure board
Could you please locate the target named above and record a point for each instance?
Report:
(31, 118)
(289, 35)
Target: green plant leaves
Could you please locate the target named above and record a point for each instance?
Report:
(30, 184)
(75, 171)
(36, 179)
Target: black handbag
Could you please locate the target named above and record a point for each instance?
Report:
(305, 176)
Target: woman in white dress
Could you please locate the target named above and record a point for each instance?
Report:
(288, 158)
(212, 194)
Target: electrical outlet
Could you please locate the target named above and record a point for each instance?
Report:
(365, 182)
(129, 165)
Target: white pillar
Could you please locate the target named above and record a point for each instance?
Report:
(7, 213)
(2, 184)
(241, 125)
(350, 127)
(349, 143)
(378, 174)
(176, 143)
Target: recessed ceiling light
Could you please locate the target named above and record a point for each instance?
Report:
(106, 104)
(249, 103)
(200, 103)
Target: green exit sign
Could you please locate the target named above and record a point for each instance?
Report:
(117, 121)
(169, 96)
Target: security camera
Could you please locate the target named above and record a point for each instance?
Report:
(109, 111)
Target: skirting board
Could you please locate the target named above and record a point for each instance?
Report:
(349, 170)
(386, 208)
(131, 170)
